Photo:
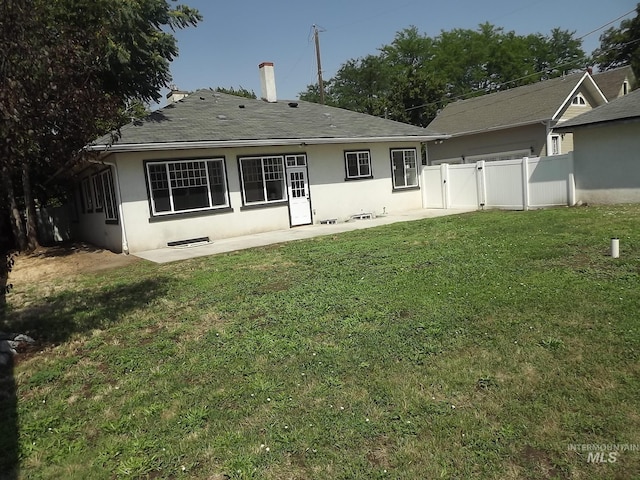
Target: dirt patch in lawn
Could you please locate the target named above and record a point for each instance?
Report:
(64, 261)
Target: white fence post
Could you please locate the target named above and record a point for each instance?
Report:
(571, 197)
(481, 182)
(571, 194)
(525, 183)
(444, 175)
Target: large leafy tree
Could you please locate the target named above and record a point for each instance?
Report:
(72, 70)
(238, 92)
(620, 46)
(361, 85)
(414, 76)
(392, 84)
(411, 86)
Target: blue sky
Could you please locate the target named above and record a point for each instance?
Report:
(225, 49)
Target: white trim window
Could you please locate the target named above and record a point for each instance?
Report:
(555, 145)
(404, 168)
(579, 100)
(358, 164)
(87, 197)
(299, 160)
(109, 196)
(182, 186)
(96, 180)
(262, 180)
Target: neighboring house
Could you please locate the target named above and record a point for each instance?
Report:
(606, 159)
(617, 82)
(513, 123)
(213, 166)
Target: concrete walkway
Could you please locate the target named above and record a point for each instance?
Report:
(173, 254)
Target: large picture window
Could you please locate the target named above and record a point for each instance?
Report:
(358, 164)
(263, 180)
(187, 185)
(404, 168)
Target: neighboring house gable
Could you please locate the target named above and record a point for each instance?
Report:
(514, 122)
(607, 141)
(620, 110)
(617, 82)
(213, 165)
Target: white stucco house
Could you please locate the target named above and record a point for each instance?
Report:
(212, 165)
(606, 151)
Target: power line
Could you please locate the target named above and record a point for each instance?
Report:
(606, 24)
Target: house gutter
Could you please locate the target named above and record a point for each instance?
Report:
(572, 127)
(500, 127)
(116, 180)
(549, 147)
(144, 147)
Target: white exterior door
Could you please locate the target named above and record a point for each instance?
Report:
(298, 190)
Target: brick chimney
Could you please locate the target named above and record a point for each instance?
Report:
(268, 82)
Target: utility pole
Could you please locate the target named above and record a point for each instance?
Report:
(316, 36)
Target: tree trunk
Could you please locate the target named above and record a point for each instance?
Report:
(30, 210)
(4, 278)
(17, 226)
(6, 263)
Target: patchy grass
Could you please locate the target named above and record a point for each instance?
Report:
(477, 346)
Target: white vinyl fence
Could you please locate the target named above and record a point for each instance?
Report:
(508, 184)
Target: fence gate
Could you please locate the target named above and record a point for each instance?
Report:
(509, 184)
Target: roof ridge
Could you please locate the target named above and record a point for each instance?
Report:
(206, 116)
(530, 86)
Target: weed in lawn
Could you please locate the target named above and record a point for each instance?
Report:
(551, 343)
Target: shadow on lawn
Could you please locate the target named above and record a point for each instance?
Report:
(54, 320)
(8, 424)
(65, 249)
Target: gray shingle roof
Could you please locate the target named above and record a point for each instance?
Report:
(624, 108)
(207, 116)
(524, 105)
(610, 81)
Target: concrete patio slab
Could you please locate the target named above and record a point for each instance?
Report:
(225, 245)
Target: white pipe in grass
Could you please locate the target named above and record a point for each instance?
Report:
(615, 248)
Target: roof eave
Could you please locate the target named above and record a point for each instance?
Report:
(144, 147)
(501, 127)
(597, 123)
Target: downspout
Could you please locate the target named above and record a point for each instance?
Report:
(423, 190)
(549, 146)
(116, 180)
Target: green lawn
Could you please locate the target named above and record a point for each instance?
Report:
(483, 345)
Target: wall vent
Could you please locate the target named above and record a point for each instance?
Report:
(362, 216)
(191, 242)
